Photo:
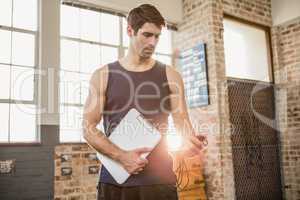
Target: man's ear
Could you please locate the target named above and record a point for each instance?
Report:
(130, 30)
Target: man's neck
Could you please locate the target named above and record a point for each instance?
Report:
(135, 62)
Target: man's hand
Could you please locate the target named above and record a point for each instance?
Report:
(133, 161)
(194, 145)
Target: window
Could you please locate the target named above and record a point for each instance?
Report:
(84, 48)
(246, 51)
(90, 39)
(18, 62)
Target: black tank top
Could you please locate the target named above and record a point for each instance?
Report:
(148, 92)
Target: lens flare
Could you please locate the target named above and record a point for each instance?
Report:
(174, 142)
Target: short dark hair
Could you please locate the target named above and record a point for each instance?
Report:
(138, 16)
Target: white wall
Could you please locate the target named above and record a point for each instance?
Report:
(170, 9)
(49, 53)
(285, 10)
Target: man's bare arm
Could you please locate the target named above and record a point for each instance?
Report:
(93, 111)
(179, 111)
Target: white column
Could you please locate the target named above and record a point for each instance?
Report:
(49, 54)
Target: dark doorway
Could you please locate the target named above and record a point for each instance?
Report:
(254, 140)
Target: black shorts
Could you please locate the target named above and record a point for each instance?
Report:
(147, 192)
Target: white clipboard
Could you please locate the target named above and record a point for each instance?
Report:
(131, 133)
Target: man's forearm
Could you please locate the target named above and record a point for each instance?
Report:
(183, 126)
(96, 139)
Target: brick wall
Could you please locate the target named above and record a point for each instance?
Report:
(286, 57)
(203, 22)
(258, 11)
(198, 26)
(76, 172)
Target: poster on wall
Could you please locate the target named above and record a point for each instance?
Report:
(193, 67)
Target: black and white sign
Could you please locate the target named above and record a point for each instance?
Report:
(7, 166)
(194, 73)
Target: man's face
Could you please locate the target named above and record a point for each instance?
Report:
(145, 40)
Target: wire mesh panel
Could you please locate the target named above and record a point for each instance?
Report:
(254, 140)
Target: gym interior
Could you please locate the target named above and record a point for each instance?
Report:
(243, 95)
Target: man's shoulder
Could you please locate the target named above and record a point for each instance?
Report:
(100, 71)
(105, 67)
(172, 73)
(99, 77)
(174, 79)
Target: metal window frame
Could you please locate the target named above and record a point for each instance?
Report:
(10, 101)
(267, 32)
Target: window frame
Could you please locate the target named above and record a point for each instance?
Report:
(267, 31)
(35, 68)
(120, 50)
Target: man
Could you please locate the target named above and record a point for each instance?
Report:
(155, 90)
